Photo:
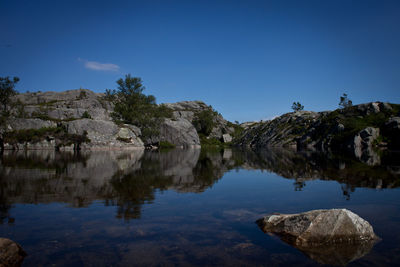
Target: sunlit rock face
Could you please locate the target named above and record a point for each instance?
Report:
(335, 236)
(354, 130)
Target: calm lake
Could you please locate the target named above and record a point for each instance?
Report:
(189, 207)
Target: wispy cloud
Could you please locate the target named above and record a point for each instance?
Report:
(93, 65)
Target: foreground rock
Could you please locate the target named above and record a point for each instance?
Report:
(335, 236)
(11, 254)
(319, 227)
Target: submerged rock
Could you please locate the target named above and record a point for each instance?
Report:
(11, 254)
(335, 236)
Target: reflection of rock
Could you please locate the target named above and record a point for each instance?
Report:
(11, 254)
(121, 178)
(335, 236)
(49, 176)
(307, 166)
(338, 254)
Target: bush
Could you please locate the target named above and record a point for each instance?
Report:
(204, 121)
(296, 106)
(7, 90)
(345, 102)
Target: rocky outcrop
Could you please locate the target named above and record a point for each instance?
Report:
(85, 113)
(362, 145)
(335, 236)
(65, 105)
(354, 129)
(189, 110)
(281, 131)
(11, 254)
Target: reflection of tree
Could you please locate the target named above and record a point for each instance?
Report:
(132, 190)
(162, 171)
(298, 185)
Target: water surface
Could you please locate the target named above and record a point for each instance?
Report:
(188, 207)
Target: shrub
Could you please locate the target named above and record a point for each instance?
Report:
(133, 107)
(296, 106)
(204, 121)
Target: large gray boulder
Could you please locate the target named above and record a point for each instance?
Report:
(179, 132)
(335, 236)
(319, 227)
(104, 134)
(11, 254)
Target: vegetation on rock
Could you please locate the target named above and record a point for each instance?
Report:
(7, 90)
(133, 107)
(345, 102)
(296, 106)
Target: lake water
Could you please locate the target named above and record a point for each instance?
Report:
(188, 207)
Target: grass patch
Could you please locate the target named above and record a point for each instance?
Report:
(165, 145)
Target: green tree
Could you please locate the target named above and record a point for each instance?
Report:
(7, 90)
(345, 102)
(133, 107)
(296, 106)
(204, 121)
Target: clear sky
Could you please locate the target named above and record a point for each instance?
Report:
(248, 59)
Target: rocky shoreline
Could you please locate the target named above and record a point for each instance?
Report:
(355, 130)
(82, 120)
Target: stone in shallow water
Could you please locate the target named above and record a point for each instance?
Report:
(335, 236)
(11, 254)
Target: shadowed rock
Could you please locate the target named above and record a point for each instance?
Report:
(11, 254)
(335, 236)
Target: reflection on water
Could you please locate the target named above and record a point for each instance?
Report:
(307, 166)
(339, 254)
(199, 223)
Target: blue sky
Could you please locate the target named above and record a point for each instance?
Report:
(248, 59)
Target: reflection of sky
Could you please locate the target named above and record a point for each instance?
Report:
(213, 227)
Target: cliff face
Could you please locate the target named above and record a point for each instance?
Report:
(355, 129)
(81, 119)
